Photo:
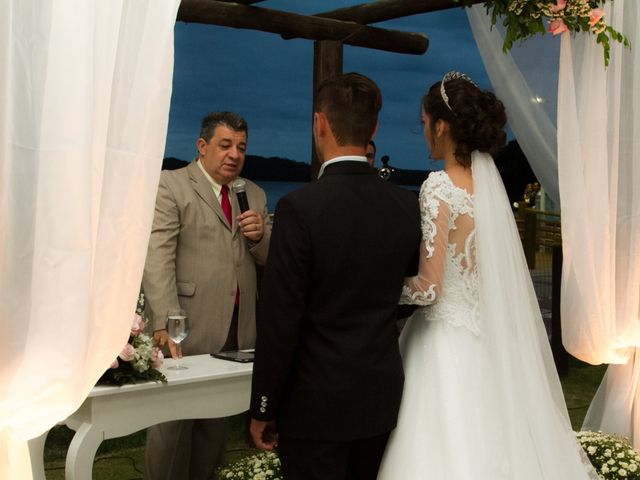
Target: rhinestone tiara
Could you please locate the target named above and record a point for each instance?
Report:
(453, 76)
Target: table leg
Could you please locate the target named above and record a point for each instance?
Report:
(36, 452)
(82, 450)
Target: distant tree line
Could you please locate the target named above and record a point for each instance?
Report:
(275, 169)
(515, 170)
(510, 161)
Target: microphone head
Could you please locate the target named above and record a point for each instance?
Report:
(238, 185)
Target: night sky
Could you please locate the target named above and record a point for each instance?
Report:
(268, 80)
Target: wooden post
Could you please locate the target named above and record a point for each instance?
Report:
(560, 355)
(327, 62)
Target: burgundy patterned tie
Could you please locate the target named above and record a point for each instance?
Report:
(225, 203)
(226, 208)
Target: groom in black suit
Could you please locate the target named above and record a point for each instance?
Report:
(327, 379)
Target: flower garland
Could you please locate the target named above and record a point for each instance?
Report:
(139, 358)
(525, 18)
(613, 458)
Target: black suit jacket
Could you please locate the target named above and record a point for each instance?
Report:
(327, 363)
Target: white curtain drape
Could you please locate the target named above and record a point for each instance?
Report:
(599, 171)
(84, 99)
(598, 145)
(526, 80)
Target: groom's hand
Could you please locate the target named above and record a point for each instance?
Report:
(264, 434)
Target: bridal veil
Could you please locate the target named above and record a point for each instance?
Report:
(540, 437)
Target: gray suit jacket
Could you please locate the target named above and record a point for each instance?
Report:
(196, 259)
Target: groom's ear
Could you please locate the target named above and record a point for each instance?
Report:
(320, 123)
(375, 130)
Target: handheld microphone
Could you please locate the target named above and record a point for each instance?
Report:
(239, 188)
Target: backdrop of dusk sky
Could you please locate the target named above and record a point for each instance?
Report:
(268, 80)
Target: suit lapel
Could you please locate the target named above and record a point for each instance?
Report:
(203, 188)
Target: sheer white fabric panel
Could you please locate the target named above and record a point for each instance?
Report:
(525, 80)
(599, 153)
(84, 99)
(598, 131)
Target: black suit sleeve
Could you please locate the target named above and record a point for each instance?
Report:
(282, 305)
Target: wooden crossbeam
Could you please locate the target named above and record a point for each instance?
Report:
(382, 10)
(291, 25)
(243, 2)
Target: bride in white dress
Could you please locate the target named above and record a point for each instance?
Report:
(482, 399)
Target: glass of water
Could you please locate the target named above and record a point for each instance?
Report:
(177, 329)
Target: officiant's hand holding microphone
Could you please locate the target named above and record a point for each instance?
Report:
(251, 223)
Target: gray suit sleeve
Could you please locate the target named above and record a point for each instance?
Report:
(159, 279)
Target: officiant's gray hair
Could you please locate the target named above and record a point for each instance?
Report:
(229, 119)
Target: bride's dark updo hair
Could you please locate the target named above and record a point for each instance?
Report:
(476, 117)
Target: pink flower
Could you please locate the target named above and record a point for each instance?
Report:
(128, 353)
(115, 364)
(138, 325)
(560, 5)
(556, 27)
(596, 15)
(156, 360)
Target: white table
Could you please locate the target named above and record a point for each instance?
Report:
(209, 388)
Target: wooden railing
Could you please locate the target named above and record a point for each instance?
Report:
(540, 228)
(537, 228)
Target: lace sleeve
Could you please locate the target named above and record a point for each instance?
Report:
(424, 288)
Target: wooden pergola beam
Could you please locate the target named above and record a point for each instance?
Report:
(382, 10)
(243, 2)
(291, 25)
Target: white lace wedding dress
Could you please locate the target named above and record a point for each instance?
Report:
(467, 413)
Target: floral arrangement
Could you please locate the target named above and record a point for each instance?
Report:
(139, 358)
(525, 18)
(263, 466)
(614, 458)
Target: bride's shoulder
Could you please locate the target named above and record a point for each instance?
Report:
(437, 176)
(435, 182)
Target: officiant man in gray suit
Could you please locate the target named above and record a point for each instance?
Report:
(201, 258)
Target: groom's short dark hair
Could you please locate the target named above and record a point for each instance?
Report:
(351, 103)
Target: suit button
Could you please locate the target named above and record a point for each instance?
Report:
(262, 409)
(264, 404)
(263, 398)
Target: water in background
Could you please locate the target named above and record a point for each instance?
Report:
(276, 190)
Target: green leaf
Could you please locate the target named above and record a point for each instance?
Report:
(521, 26)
